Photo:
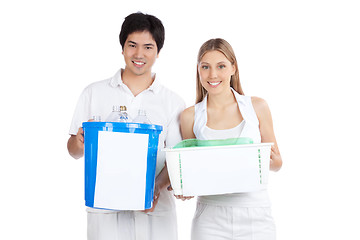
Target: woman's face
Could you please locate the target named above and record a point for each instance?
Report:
(215, 71)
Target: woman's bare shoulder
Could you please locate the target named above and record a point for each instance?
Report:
(259, 103)
(187, 123)
(188, 113)
(261, 107)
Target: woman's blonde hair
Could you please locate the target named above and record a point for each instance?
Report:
(217, 44)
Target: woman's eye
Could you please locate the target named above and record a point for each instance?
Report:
(222, 66)
(205, 67)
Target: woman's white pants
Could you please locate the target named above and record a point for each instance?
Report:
(232, 223)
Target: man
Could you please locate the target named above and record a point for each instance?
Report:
(141, 37)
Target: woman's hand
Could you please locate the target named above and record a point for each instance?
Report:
(267, 131)
(275, 159)
(182, 197)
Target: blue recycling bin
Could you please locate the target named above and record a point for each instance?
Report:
(91, 131)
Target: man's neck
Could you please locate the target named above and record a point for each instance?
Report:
(136, 83)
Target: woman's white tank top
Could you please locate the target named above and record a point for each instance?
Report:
(249, 127)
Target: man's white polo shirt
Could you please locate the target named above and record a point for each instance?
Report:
(162, 106)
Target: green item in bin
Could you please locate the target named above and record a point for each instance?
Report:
(210, 143)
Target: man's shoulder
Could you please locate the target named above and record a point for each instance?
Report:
(105, 83)
(99, 84)
(170, 95)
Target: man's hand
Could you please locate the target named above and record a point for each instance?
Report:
(75, 144)
(162, 181)
(155, 201)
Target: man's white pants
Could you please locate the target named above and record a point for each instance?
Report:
(232, 223)
(132, 225)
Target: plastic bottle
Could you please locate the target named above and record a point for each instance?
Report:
(96, 118)
(141, 117)
(124, 117)
(114, 116)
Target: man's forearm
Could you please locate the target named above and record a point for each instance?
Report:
(76, 150)
(162, 180)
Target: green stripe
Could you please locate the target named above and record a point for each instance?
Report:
(181, 180)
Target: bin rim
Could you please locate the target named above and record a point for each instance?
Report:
(217, 147)
(122, 125)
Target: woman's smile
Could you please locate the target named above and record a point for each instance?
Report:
(214, 84)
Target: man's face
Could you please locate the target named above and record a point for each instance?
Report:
(140, 53)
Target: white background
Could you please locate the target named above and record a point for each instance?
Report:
(302, 57)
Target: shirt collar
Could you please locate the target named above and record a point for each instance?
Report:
(117, 81)
(155, 86)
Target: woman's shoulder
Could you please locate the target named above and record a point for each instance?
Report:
(260, 106)
(258, 102)
(187, 119)
(188, 112)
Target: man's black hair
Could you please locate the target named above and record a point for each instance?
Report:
(139, 22)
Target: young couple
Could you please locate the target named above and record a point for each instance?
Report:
(221, 111)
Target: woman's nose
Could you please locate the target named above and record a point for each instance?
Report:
(213, 73)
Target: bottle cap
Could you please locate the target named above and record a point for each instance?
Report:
(142, 112)
(96, 118)
(116, 108)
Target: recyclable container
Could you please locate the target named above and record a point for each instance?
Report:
(211, 167)
(111, 179)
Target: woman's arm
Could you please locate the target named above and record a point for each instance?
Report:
(187, 123)
(186, 127)
(267, 131)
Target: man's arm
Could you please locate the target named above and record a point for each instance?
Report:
(162, 181)
(75, 144)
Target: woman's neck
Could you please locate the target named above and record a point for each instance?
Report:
(220, 100)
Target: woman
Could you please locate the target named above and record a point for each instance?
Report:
(222, 111)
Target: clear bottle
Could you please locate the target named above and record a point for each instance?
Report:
(124, 116)
(141, 117)
(115, 115)
(96, 118)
